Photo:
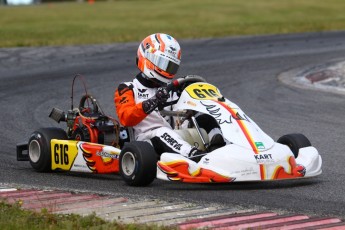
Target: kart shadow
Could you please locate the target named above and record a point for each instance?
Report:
(247, 186)
(89, 176)
(28, 170)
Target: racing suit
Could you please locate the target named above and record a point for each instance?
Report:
(152, 127)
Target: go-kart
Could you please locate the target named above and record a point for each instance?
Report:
(96, 143)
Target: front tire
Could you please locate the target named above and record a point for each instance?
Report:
(39, 147)
(138, 163)
(294, 141)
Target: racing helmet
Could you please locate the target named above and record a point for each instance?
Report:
(159, 57)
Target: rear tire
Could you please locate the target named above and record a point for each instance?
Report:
(294, 141)
(138, 163)
(39, 147)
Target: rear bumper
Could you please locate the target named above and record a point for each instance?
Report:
(22, 153)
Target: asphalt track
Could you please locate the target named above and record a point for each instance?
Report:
(33, 80)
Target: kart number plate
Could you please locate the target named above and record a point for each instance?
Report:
(203, 91)
(63, 154)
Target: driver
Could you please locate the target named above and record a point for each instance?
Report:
(137, 102)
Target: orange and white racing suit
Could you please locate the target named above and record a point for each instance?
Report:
(152, 127)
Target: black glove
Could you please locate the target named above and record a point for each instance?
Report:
(159, 99)
(162, 95)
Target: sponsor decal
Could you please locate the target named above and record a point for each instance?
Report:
(214, 110)
(259, 145)
(245, 172)
(191, 103)
(107, 155)
(263, 158)
(143, 95)
(171, 141)
(206, 161)
(170, 57)
(151, 50)
(172, 50)
(80, 166)
(97, 159)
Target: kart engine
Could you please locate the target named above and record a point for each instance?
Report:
(88, 123)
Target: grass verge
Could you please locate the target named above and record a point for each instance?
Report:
(13, 217)
(132, 20)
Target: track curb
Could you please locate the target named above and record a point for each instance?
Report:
(327, 77)
(181, 214)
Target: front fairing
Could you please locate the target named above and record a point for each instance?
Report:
(233, 163)
(236, 126)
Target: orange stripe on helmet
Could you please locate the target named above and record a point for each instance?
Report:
(164, 74)
(149, 65)
(146, 41)
(162, 44)
(141, 61)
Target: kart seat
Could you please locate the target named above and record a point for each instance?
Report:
(192, 137)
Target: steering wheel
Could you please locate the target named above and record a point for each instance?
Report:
(181, 83)
(90, 110)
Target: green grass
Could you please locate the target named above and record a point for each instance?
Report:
(132, 20)
(12, 217)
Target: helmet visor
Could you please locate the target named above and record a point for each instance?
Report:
(163, 63)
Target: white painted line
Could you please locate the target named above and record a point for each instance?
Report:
(7, 189)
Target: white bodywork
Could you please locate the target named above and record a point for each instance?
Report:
(250, 155)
